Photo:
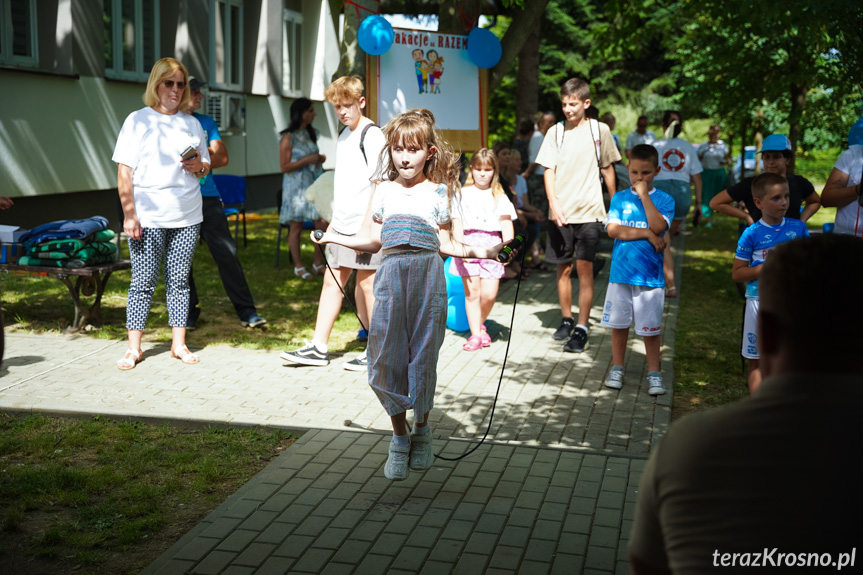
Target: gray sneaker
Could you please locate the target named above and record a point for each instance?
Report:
(422, 454)
(396, 467)
(654, 383)
(359, 363)
(614, 380)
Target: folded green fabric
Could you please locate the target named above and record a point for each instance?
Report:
(56, 248)
(102, 236)
(31, 261)
(95, 249)
(91, 261)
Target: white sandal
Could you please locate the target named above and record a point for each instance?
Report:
(185, 356)
(302, 273)
(129, 360)
(319, 269)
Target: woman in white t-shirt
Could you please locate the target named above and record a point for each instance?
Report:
(482, 216)
(714, 156)
(680, 166)
(161, 153)
(843, 191)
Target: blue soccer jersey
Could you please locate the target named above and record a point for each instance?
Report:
(758, 239)
(636, 262)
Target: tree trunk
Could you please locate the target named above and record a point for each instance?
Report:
(795, 131)
(513, 40)
(527, 80)
(353, 59)
(458, 16)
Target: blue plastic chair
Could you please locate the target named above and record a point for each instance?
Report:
(232, 190)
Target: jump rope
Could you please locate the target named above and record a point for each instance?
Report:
(504, 255)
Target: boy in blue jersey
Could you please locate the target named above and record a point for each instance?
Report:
(771, 196)
(637, 221)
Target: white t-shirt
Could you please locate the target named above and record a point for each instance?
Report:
(634, 139)
(678, 159)
(711, 155)
(577, 188)
(849, 219)
(166, 195)
(352, 185)
(479, 210)
(533, 149)
(410, 216)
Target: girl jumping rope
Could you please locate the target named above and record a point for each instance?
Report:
(482, 217)
(409, 218)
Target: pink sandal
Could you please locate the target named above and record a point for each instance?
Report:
(473, 343)
(486, 339)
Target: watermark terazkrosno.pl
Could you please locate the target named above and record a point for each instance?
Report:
(775, 558)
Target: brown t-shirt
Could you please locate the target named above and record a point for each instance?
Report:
(577, 188)
(772, 470)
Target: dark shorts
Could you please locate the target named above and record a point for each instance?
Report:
(579, 240)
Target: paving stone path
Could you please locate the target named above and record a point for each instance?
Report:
(551, 490)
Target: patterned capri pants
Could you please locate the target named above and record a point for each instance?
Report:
(407, 330)
(176, 246)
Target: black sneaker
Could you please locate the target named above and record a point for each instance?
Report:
(306, 355)
(578, 342)
(565, 329)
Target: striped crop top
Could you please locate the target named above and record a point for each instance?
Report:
(410, 216)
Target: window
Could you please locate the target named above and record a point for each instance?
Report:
(131, 38)
(226, 44)
(18, 32)
(292, 42)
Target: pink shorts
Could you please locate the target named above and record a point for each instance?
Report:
(485, 269)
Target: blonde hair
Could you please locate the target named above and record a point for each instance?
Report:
(486, 157)
(161, 70)
(347, 89)
(417, 127)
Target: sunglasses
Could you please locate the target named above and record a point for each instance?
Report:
(170, 84)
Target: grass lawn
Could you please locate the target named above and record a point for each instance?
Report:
(42, 305)
(97, 496)
(707, 362)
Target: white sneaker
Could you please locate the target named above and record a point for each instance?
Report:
(614, 380)
(422, 454)
(654, 383)
(396, 467)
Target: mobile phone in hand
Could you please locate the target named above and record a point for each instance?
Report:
(189, 153)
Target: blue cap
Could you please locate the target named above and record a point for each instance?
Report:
(775, 143)
(855, 136)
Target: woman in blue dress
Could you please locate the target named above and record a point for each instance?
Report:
(300, 162)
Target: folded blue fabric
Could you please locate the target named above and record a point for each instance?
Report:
(64, 229)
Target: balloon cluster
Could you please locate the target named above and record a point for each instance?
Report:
(376, 35)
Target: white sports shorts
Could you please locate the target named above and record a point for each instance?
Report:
(749, 349)
(623, 302)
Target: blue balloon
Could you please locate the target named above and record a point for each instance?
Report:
(483, 47)
(375, 35)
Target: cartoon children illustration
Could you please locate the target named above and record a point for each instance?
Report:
(436, 73)
(421, 66)
(431, 57)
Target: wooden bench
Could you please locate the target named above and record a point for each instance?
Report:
(90, 280)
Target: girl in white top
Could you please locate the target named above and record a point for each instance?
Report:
(410, 219)
(483, 217)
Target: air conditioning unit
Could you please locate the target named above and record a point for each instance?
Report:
(228, 110)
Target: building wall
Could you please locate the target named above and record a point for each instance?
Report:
(59, 120)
